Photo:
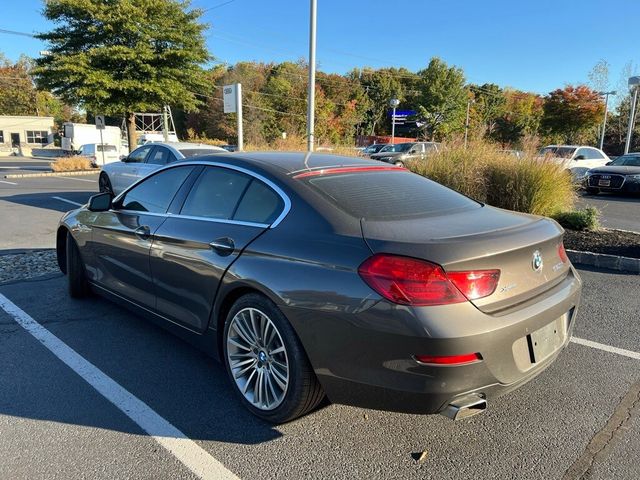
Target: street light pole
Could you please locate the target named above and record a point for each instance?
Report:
(604, 122)
(393, 103)
(634, 82)
(312, 78)
(466, 123)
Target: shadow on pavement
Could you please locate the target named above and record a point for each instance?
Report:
(45, 200)
(186, 387)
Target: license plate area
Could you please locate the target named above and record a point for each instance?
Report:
(547, 340)
(604, 183)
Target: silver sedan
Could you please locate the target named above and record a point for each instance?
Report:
(116, 177)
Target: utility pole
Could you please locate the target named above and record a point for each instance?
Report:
(604, 122)
(311, 102)
(634, 82)
(393, 103)
(466, 123)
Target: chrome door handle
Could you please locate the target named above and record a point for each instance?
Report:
(143, 232)
(224, 245)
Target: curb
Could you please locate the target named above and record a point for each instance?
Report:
(53, 174)
(601, 260)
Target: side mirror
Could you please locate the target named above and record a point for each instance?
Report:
(580, 157)
(100, 202)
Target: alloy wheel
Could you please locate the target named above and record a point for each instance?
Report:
(258, 359)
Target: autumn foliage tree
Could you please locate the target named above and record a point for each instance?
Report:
(571, 113)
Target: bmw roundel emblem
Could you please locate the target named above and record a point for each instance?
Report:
(537, 262)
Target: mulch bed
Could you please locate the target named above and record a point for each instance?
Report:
(611, 242)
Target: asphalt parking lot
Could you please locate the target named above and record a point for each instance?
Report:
(91, 391)
(618, 211)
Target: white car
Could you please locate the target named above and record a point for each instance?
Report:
(576, 158)
(94, 152)
(117, 176)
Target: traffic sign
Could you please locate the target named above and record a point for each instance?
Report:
(100, 122)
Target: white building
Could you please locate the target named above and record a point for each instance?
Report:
(19, 132)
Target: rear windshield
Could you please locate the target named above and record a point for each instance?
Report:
(385, 195)
(196, 152)
(106, 148)
(562, 152)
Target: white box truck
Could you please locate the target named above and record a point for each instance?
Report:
(74, 135)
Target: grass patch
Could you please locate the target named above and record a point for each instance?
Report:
(485, 173)
(71, 164)
(586, 219)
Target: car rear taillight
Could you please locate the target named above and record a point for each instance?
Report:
(562, 253)
(475, 284)
(409, 281)
(449, 359)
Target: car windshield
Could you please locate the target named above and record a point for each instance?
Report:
(562, 152)
(627, 161)
(398, 147)
(388, 195)
(197, 152)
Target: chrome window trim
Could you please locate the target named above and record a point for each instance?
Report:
(278, 190)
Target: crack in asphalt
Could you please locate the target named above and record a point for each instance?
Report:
(603, 441)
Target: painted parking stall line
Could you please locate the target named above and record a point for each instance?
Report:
(79, 179)
(606, 348)
(71, 202)
(189, 453)
(8, 183)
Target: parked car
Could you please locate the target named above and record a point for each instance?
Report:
(117, 176)
(94, 151)
(314, 274)
(371, 149)
(576, 159)
(621, 175)
(400, 153)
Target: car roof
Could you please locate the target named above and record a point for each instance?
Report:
(185, 145)
(284, 163)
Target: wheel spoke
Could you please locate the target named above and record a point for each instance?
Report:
(246, 385)
(254, 326)
(280, 379)
(258, 390)
(245, 370)
(277, 350)
(242, 330)
(238, 344)
(269, 377)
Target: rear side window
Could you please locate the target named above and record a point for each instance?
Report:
(160, 156)
(155, 194)
(106, 148)
(260, 204)
(216, 193)
(388, 195)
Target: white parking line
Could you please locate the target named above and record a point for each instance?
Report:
(68, 201)
(606, 348)
(9, 183)
(192, 456)
(80, 179)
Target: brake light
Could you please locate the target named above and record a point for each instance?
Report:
(409, 281)
(449, 359)
(475, 284)
(562, 253)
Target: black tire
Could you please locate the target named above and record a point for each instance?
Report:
(76, 275)
(592, 191)
(304, 392)
(104, 184)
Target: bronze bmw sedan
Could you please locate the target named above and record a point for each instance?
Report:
(314, 275)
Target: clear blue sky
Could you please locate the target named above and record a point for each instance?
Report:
(535, 45)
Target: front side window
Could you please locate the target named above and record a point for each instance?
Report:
(40, 137)
(138, 155)
(216, 193)
(155, 194)
(584, 152)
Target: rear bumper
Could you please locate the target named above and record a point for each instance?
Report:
(366, 358)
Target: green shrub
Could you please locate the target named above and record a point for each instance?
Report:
(485, 173)
(587, 219)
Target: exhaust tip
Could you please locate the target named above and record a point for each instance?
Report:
(465, 407)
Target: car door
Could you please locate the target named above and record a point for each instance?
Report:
(122, 236)
(222, 213)
(125, 172)
(158, 157)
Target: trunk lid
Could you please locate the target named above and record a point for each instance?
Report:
(480, 239)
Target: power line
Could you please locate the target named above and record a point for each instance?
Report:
(13, 32)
